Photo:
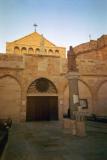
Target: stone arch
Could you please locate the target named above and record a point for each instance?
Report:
(85, 83)
(42, 85)
(100, 84)
(30, 51)
(42, 100)
(50, 52)
(101, 107)
(16, 50)
(10, 98)
(56, 52)
(37, 51)
(84, 93)
(23, 50)
(11, 76)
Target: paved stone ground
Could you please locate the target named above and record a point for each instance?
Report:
(49, 141)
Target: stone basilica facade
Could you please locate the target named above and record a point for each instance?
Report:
(33, 84)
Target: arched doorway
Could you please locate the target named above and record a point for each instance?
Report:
(10, 98)
(101, 107)
(42, 101)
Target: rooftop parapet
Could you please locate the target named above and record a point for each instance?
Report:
(92, 45)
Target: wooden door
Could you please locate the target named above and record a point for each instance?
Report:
(42, 108)
(53, 107)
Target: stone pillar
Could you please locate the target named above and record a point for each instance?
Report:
(73, 92)
(75, 122)
(72, 77)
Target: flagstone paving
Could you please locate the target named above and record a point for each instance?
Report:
(49, 141)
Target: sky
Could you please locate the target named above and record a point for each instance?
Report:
(63, 22)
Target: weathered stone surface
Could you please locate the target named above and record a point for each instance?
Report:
(47, 140)
(21, 69)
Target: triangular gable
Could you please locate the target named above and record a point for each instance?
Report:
(33, 39)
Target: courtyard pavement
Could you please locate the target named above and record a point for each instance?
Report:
(49, 141)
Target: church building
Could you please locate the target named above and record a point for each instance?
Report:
(33, 83)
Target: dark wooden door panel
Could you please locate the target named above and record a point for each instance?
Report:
(53, 108)
(42, 108)
(30, 108)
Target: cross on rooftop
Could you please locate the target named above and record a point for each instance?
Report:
(35, 25)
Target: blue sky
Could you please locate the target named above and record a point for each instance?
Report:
(64, 22)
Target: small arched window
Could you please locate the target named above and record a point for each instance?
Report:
(50, 51)
(23, 50)
(30, 51)
(57, 52)
(16, 50)
(37, 51)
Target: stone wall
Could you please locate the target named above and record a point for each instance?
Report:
(17, 72)
(11, 61)
(22, 70)
(10, 98)
(92, 64)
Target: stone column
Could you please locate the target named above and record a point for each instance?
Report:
(72, 77)
(73, 92)
(74, 122)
